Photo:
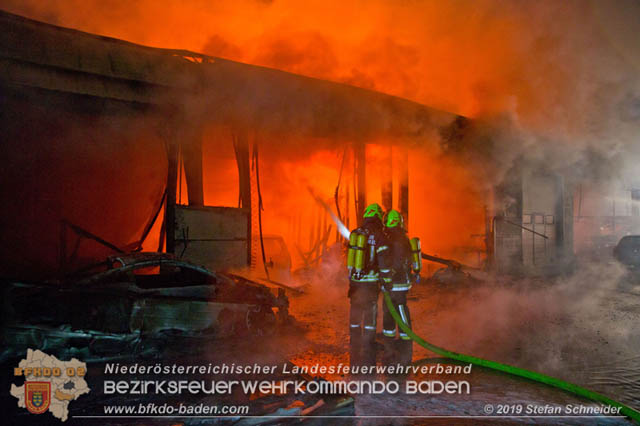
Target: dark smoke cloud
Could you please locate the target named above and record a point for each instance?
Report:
(566, 72)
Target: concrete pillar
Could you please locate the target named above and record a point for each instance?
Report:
(403, 177)
(191, 144)
(172, 183)
(559, 215)
(387, 178)
(240, 139)
(241, 146)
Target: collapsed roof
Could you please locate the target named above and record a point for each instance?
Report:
(36, 55)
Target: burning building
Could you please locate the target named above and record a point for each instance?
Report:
(180, 195)
(112, 134)
(109, 130)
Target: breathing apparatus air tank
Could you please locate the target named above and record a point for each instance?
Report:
(351, 252)
(355, 255)
(416, 254)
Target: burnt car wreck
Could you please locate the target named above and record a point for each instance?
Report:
(119, 313)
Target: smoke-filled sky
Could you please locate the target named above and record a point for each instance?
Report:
(546, 60)
(555, 81)
(560, 70)
(558, 82)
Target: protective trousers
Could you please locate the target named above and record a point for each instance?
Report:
(397, 350)
(362, 322)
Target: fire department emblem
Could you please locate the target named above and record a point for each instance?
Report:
(49, 384)
(37, 396)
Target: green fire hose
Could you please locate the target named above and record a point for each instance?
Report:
(532, 375)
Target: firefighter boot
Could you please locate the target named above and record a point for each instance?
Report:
(405, 349)
(390, 354)
(355, 346)
(369, 348)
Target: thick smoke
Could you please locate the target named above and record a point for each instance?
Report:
(581, 327)
(553, 81)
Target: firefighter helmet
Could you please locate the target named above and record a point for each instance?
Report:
(374, 210)
(394, 220)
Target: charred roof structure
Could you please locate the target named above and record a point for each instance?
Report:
(96, 131)
(92, 126)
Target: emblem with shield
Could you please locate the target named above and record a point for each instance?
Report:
(37, 396)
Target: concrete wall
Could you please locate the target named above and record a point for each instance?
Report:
(533, 231)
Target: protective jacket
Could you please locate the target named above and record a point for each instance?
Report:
(395, 262)
(365, 245)
(375, 244)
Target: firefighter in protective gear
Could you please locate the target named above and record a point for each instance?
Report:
(366, 243)
(400, 264)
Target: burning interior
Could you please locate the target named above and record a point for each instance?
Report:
(191, 197)
(185, 129)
